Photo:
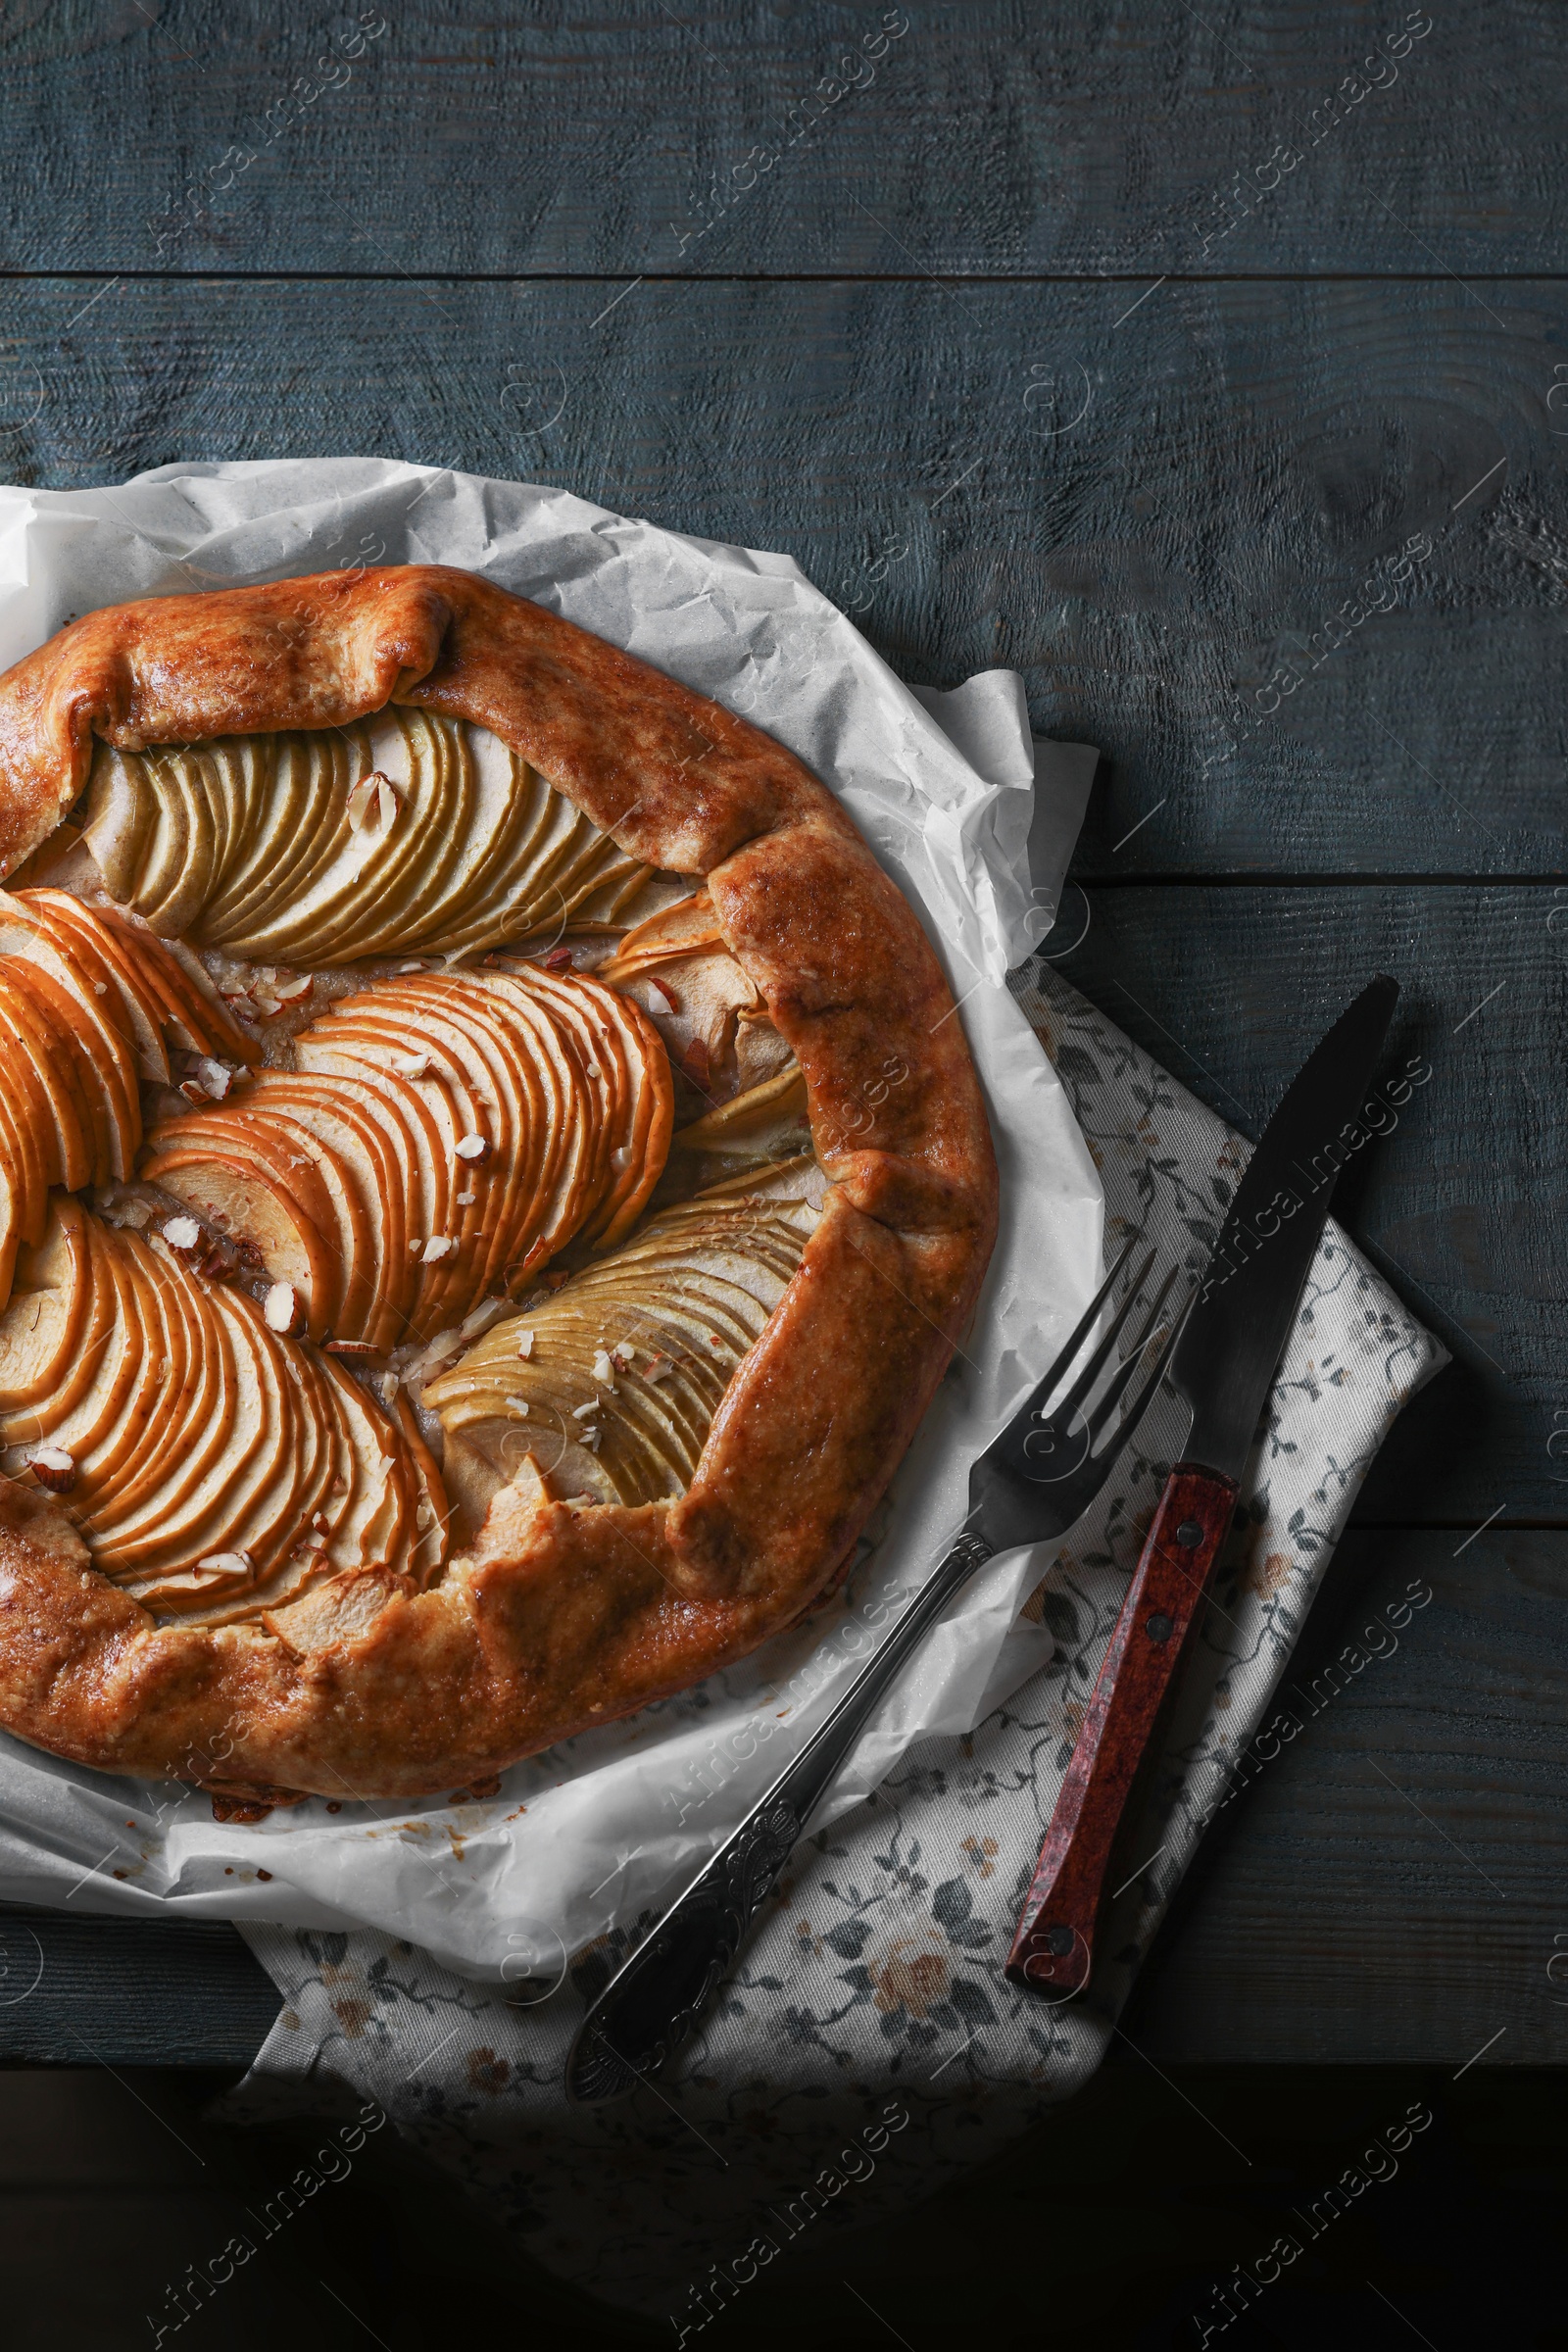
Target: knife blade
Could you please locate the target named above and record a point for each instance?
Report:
(1224, 1366)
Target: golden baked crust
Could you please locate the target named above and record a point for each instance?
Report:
(559, 1618)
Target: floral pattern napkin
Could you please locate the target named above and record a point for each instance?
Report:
(867, 2046)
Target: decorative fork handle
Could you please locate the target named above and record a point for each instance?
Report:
(646, 2012)
(1053, 1950)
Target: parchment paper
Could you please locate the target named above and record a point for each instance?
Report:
(616, 1821)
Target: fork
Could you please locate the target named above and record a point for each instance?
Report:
(1030, 1486)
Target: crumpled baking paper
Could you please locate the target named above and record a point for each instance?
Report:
(944, 787)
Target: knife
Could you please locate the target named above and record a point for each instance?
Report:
(1224, 1366)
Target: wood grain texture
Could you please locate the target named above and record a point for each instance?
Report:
(1152, 520)
(85, 1992)
(1392, 1887)
(1462, 1205)
(991, 138)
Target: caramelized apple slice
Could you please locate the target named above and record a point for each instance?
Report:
(43, 1326)
(41, 1032)
(134, 1527)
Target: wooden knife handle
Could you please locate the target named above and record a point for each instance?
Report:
(1053, 1950)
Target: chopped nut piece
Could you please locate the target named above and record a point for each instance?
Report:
(466, 1200)
(580, 1413)
(226, 1564)
(282, 1309)
(474, 1148)
(215, 1076)
(525, 1344)
(439, 1245)
(411, 1065)
(603, 1369)
(182, 1233)
(519, 1405)
(373, 797)
(53, 1468)
(416, 966)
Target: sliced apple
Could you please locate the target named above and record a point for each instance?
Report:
(42, 1328)
(136, 1531)
(254, 843)
(639, 1349)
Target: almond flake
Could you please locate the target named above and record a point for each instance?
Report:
(182, 1233)
(53, 1468)
(373, 795)
(268, 1007)
(667, 993)
(388, 1386)
(519, 1405)
(288, 990)
(226, 1563)
(580, 1413)
(473, 1147)
(603, 1369)
(348, 1347)
(525, 1344)
(194, 1093)
(439, 1245)
(625, 1348)
(410, 967)
(283, 1309)
(411, 1065)
(591, 1438)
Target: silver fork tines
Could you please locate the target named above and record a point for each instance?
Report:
(1043, 1467)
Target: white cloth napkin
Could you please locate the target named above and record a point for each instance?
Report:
(869, 2046)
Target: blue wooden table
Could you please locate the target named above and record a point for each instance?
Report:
(1212, 370)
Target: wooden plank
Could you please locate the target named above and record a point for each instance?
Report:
(1392, 1888)
(979, 139)
(1232, 499)
(1464, 1202)
(80, 1991)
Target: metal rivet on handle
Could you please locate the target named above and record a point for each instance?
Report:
(1190, 1535)
(1158, 1628)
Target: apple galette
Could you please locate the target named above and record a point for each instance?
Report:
(489, 1182)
